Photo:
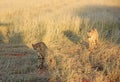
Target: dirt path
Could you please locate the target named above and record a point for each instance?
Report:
(18, 63)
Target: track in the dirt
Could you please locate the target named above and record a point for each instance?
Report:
(18, 63)
(15, 50)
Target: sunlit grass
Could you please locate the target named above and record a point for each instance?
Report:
(63, 28)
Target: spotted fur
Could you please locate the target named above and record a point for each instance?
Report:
(41, 48)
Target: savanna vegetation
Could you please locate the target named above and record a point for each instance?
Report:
(63, 26)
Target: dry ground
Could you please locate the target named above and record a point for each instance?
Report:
(63, 26)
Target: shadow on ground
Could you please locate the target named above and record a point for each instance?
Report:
(8, 36)
(72, 36)
(16, 38)
(5, 24)
(105, 18)
(100, 13)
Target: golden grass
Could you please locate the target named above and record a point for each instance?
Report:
(63, 26)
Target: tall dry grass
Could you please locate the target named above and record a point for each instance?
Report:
(63, 28)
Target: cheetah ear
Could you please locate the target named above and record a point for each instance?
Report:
(94, 29)
(88, 33)
(32, 45)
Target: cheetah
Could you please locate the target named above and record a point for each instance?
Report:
(41, 49)
(45, 56)
(93, 39)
